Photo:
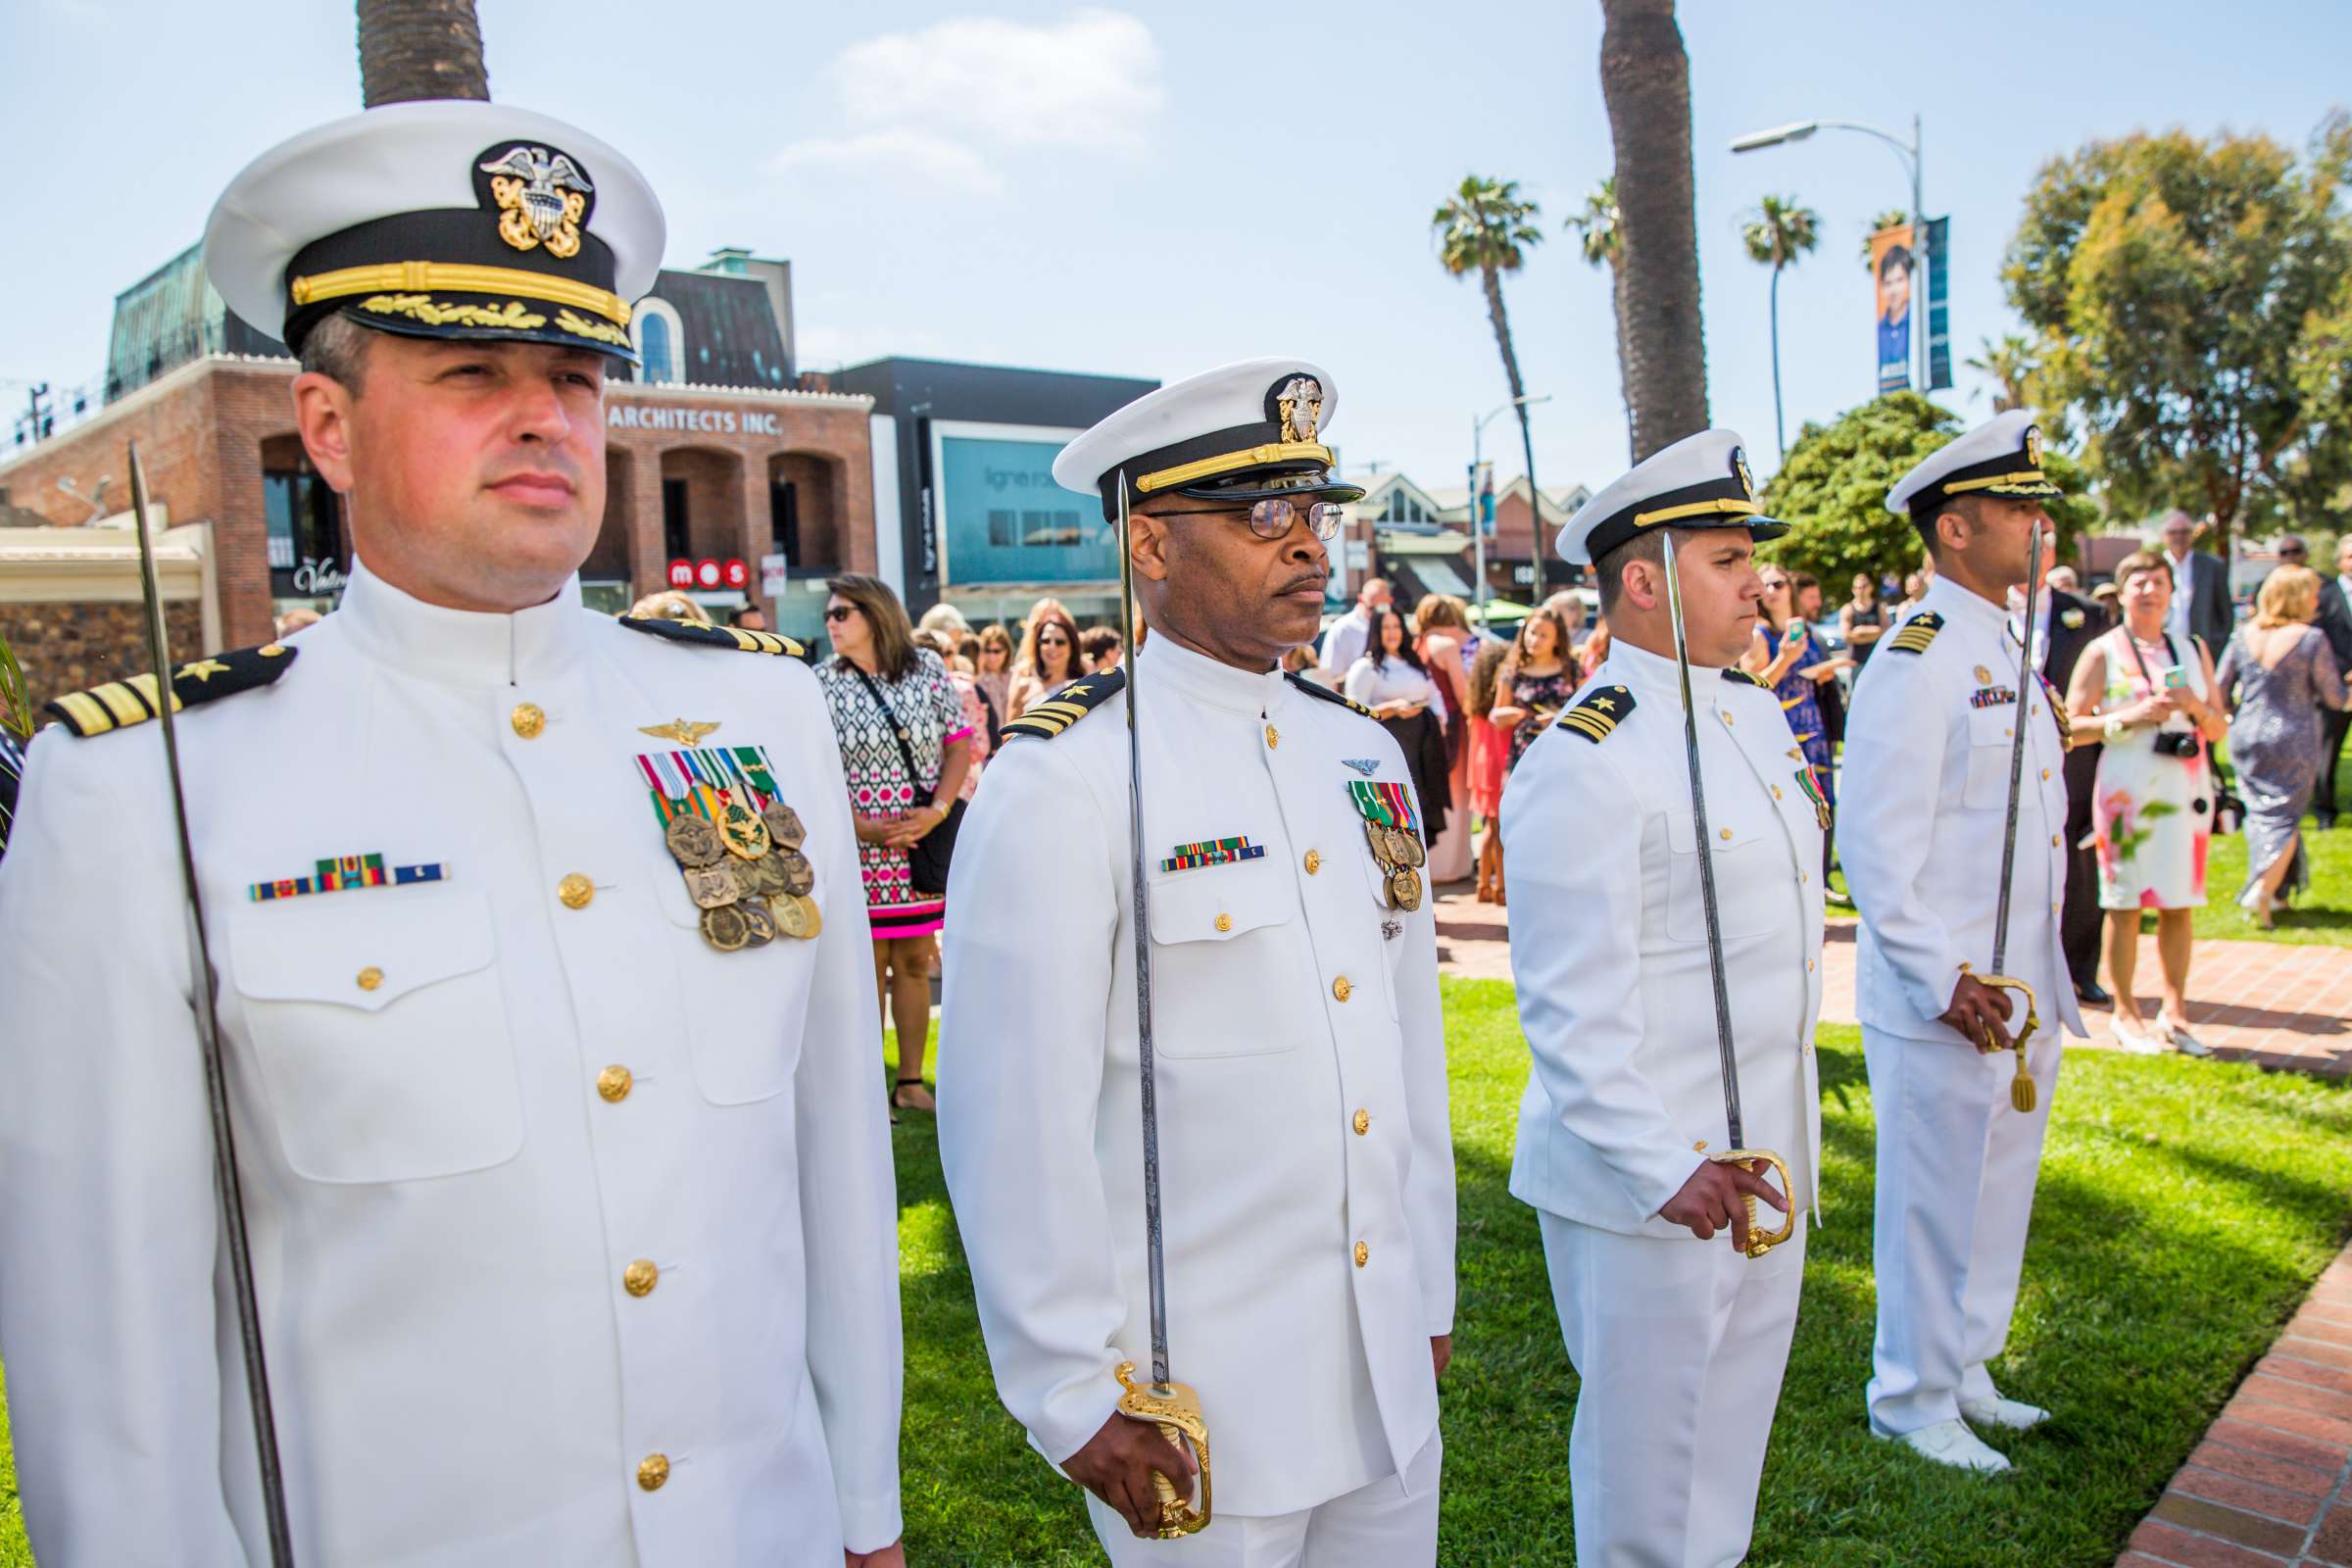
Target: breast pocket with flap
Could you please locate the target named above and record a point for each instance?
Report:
(1750, 868)
(380, 1030)
(744, 1011)
(1991, 736)
(1219, 988)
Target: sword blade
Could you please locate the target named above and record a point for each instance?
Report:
(1707, 857)
(1156, 1268)
(226, 1184)
(2017, 763)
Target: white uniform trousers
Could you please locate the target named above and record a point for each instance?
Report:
(1955, 1192)
(1383, 1524)
(1680, 1346)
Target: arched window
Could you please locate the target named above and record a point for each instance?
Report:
(660, 341)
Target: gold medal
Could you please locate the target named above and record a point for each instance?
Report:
(798, 875)
(693, 840)
(1378, 837)
(784, 826)
(711, 887)
(726, 928)
(797, 918)
(1405, 847)
(742, 832)
(762, 925)
(1404, 890)
(763, 877)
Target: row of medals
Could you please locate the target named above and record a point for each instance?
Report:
(1400, 855)
(747, 874)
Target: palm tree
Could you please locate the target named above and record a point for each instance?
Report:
(2010, 366)
(1600, 238)
(1646, 80)
(412, 49)
(1483, 227)
(1778, 234)
(1893, 217)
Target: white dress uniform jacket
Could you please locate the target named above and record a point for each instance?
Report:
(1920, 821)
(1305, 1159)
(1612, 967)
(1921, 817)
(464, 1110)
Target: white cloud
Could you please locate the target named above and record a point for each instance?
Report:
(940, 102)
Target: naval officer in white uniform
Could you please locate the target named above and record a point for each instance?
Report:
(544, 988)
(1677, 1335)
(1922, 813)
(1305, 1163)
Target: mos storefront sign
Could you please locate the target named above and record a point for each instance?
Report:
(1002, 517)
(693, 421)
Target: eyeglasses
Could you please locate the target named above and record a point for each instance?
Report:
(840, 612)
(1271, 519)
(2291, 552)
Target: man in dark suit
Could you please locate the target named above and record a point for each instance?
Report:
(2335, 625)
(2073, 622)
(2201, 606)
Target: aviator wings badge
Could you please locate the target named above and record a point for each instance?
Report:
(684, 731)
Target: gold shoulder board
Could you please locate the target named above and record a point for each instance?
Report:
(1598, 717)
(121, 704)
(694, 631)
(1312, 689)
(1068, 705)
(1917, 632)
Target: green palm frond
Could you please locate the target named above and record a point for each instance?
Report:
(1485, 226)
(1779, 232)
(1596, 227)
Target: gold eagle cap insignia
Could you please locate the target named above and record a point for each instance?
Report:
(1300, 403)
(685, 731)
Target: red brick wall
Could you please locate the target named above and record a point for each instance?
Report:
(73, 647)
(200, 432)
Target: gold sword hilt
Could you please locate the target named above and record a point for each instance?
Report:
(2022, 1095)
(1759, 1240)
(1175, 1409)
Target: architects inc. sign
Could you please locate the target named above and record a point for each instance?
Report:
(703, 421)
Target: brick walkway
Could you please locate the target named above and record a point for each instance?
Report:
(2270, 1486)
(2261, 1001)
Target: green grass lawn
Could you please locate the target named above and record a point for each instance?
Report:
(2184, 1208)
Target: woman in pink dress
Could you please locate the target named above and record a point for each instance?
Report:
(1490, 753)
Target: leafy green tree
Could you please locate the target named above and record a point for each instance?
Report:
(2008, 365)
(1833, 490)
(1777, 234)
(2183, 291)
(1483, 227)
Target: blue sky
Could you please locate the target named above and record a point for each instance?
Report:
(1151, 188)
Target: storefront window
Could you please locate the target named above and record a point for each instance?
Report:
(1004, 519)
(656, 347)
(306, 557)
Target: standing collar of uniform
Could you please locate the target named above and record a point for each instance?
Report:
(1649, 673)
(1953, 601)
(459, 647)
(1208, 680)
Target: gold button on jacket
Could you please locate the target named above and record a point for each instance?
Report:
(640, 1277)
(1314, 862)
(652, 1471)
(1224, 922)
(614, 1083)
(1343, 988)
(528, 720)
(1363, 1255)
(370, 977)
(1363, 1122)
(575, 891)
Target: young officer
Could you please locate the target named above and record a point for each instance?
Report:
(1678, 1335)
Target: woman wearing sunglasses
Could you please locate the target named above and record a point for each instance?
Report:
(1048, 659)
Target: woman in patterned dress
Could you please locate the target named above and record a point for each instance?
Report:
(880, 686)
(2283, 676)
(1786, 656)
(2151, 808)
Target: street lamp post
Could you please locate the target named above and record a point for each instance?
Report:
(1478, 521)
(1909, 152)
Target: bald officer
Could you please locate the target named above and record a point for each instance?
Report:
(544, 979)
(1679, 1337)
(1305, 1163)
(1919, 830)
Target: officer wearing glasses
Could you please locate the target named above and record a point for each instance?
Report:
(1306, 1172)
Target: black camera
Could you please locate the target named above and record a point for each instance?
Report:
(2175, 742)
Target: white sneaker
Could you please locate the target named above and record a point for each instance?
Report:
(2129, 1036)
(2014, 1414)
(1947, 1442)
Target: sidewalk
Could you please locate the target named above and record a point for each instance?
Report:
(2261, 1001)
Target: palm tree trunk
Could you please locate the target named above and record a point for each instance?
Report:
(1527, 440)
(413, 49)
(1780, 426)
(1625, 372)
(1645, 79)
